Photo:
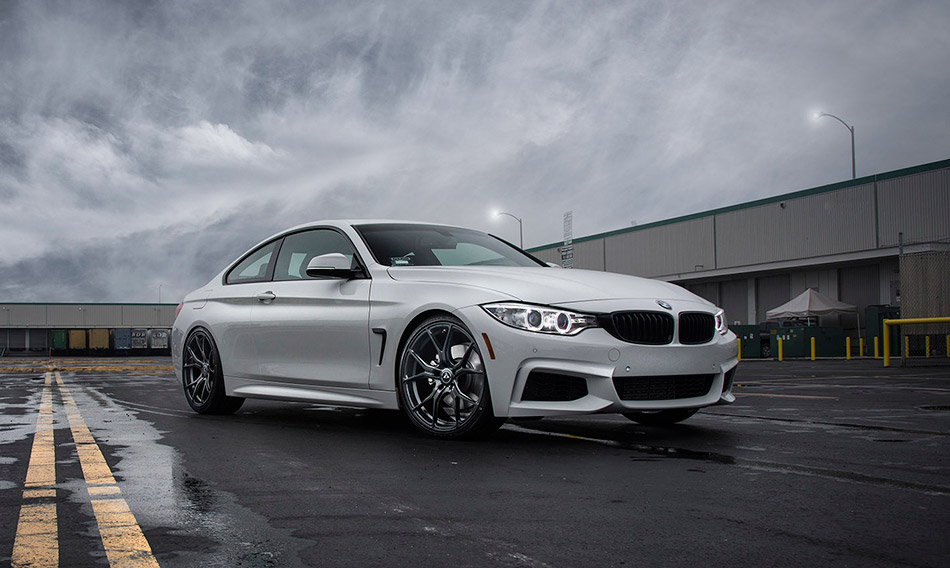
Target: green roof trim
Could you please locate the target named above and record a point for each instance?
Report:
(939, 165)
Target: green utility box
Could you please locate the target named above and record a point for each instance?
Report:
(796, 341)
(875, 316)
(749, 340)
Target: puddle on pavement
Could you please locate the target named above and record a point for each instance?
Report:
(196, 524)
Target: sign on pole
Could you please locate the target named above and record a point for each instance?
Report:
(567, 251)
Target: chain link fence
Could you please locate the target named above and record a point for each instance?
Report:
(925, 293)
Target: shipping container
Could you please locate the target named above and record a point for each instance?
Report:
(139, 339)
(158, 339)
(123, 339)
(59, 339)
(99, 339)
(77, 339)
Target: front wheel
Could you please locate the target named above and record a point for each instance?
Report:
(203, 378)
(661, 417)
(443, 386)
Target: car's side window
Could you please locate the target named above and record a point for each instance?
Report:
(254, 267)
(298, 249)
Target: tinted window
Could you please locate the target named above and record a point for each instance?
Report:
(432, 245)
(298, 249)
(254, 267)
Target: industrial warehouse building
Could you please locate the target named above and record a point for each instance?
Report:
(83, 329)
(880, 243)
(881, 240)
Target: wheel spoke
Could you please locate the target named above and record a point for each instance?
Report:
(435, 407)
(465, 357)
(419, 360)
(423, 401)
(460, 394)
(423, 375)
(192, 353)
(458, 418)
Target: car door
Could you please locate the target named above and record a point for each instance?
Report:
(229, 308)
(313, 330)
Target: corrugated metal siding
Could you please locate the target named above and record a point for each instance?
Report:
(26, 314)
(103, 315)
(140, 316)
(660, 251)
(589, 255)
(549, 255)
(65, 315)
(734, 299)
(917, 205)
(815, 225)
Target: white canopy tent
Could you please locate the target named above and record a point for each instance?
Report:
(811, 303)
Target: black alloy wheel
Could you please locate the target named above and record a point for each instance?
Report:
(203, 380)
(443, 386)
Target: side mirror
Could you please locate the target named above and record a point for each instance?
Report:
(333, 265)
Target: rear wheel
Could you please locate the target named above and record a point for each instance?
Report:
(661, 417)
(203, 380)
(443, 386)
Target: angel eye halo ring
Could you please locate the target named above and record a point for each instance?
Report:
(541, 319)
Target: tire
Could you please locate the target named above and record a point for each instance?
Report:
(202, 378)
(766, 351)
(442, 383)
(661, 417)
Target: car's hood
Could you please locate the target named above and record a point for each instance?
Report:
(550, 286)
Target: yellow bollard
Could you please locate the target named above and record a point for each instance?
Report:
(877, 354)
(779, 348)
(847, 348)
(887, 343)
(906, 346)
(861, 347)
(927, 346)
(739, 345)
(812, 348)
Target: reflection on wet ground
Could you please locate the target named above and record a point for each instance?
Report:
(288, 484)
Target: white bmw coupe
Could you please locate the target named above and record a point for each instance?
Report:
(457, 328)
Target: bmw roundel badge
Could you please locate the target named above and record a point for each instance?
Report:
(664, 304)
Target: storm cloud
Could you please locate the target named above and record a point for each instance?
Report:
(145, 144)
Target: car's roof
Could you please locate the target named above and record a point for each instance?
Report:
(355, 222)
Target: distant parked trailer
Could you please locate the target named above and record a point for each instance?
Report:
(139, 339)
(77, 339)
(59, 340)
(122, 339)
(158, 339)
(99, 339)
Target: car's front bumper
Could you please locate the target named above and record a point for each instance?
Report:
(597, 358)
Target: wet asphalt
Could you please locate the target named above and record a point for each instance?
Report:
(831, 463)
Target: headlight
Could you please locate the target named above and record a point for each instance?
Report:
(722, 326)
(541, 319)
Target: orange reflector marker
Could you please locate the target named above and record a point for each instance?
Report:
(491, 352)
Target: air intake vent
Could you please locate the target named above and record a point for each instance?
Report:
(664, 387)
(696, 328)
(552, 387)
(646, 328)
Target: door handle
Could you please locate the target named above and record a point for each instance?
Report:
(266, 297)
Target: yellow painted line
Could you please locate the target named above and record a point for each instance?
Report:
(782, 395)
(37, 536)
(122, 538)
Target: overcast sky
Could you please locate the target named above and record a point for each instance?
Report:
(146, 144)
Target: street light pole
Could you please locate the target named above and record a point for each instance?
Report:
(520, 228)
(851, 129)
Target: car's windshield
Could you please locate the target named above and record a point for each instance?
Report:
(434, 245)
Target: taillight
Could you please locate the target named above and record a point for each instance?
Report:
(178, 309)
